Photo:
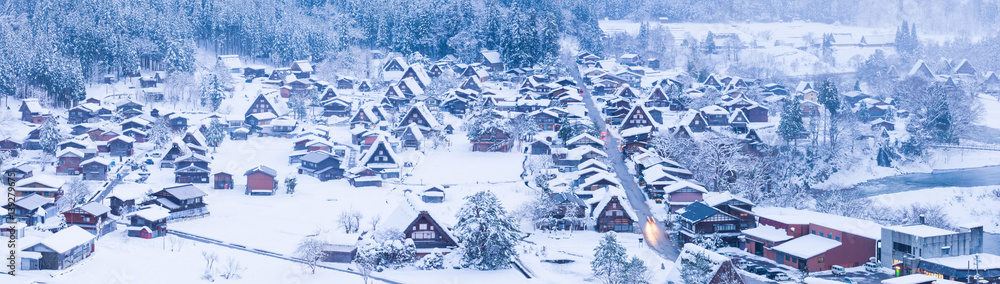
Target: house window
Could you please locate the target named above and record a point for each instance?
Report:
(820, 260)
(837, 238)
(609, 213)
(946, 250)
(423, 235)
(829, 236)
(724, 227)
(86, 219)
(787, 258)
(422, 227)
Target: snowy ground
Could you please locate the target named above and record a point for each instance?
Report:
(579, 247)
(960, 204)
(121, 260)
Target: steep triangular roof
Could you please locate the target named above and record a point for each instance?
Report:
(921, 69)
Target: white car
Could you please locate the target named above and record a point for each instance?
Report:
(871, 267)
(838, 270)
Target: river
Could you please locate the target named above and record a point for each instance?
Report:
(971, 177)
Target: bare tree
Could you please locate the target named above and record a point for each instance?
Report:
(311, 251)
(210, 259)
(350, 221)
(232, 269)
(76, 193)
(374, 222)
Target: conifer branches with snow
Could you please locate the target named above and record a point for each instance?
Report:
(487, 236)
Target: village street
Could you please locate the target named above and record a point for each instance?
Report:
(654, 232)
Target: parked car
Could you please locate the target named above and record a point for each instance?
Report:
(849, 281)
(871, 267)
(838, 270)
(149, 161)
(741, 263)
(751, 268)
(760, 271)
(777, 275)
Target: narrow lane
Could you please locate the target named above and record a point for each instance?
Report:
(653, 230)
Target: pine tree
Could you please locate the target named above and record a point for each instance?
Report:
(710, 43)
(216, 133)
(791, 121)
(696, 268)
(159, 134)
(829, 96)
(609, 259)
(290, 183)
(635, 272)
(487, 236)
(49, 136)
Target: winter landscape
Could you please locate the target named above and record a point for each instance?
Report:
(496, 141)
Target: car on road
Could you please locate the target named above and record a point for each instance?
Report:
(155, 155)
(849, 280)
(871, 267)
(741, 263)
(148, 161)
(838, 270)
(750, 268)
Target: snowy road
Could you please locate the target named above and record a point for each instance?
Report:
(654, 232)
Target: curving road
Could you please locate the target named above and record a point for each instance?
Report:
(654, 233)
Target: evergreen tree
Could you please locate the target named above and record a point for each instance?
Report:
(487, 236)
(609, 259)
(216, 133)
(290, 183)
(791, 121)
(635, 272)
(49, 136)
(159, 134)
(829, 96)
(710, 43)
(696, 268)
(212, 91)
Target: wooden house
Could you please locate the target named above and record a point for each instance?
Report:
(44, 185)
(336, 107)
(32, 111)
(614, 213)
(491, 59)
(121, 145)
(222, 180)
(191, 168)
(421, 117)
(261, 180)
(381, 158)
(637, 117)
(364, 177)
(427, 234)
(31, 210)
(682, 193)
(584, 139)
(129, 108)
(18, 173)
(69, 161)
(11, 145)
(321, 165)
(148, 223)
(569, 212)
(715, 115)
(417, 73)
(261, 104)
(756, 113)
(738, 122)
(492, 140)
(411, 138)
(364, 86)
(95, 168)
(64, 248)
(433, 194)
(809, 108)
(540, 147)
(631, 59)
(657, 98)
(302, 67)
(92, 217)
(183, 201)
(699, 219)
(395, 64)
(82, 113)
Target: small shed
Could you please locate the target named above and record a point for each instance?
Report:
(222, 180)
(433, 194)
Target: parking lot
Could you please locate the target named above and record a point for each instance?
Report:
(856, 274)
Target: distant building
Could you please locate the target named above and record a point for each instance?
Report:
(907, 244)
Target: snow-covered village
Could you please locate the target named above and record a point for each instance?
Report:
(496, 141)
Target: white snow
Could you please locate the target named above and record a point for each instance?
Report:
(858, 227)
(807, 246)
(960, 204)
(768, 233)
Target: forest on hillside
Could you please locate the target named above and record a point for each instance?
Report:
(51, 48)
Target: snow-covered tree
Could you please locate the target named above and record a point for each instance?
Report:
(350, 221)
(609, 260)
(290, 183)
(233, 269)
(696, 268)
(216, 133)
(367, 259)
(311, 251)
(75, 193)
(213, 90)
(49, 136)
(432, 261)
(487, 236)
(159, 133)
(791, 121)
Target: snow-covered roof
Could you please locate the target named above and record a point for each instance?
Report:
(262, 168)
(230, 61)
(622, 199)
(586, 136)
(67, 239)
(491, 55)
(986, 261)
(591, 162)
(153, 213)
(854, 226)
(32, 202)
(99, 160)
(578, 152)
(43, 179)
(768, 233)
(807, 246)
(33, 105)
(598, 177)
(690, 249)
(911, 279)
(95, 208)
(682, 184)
(636, 131)
(186, 191)
(380, 140)
(921, 230)
(714, 110)
(413, 86)
(130, 191)
(69, 152)
(814, 280)
(716, 198)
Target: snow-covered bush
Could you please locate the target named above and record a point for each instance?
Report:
(434, 260)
